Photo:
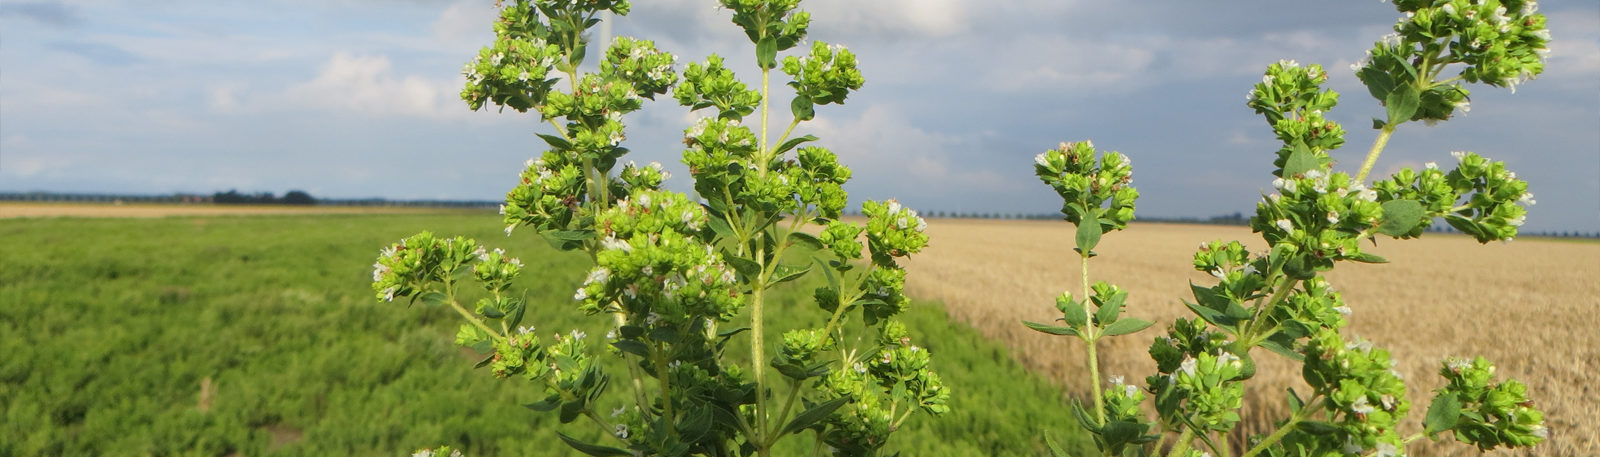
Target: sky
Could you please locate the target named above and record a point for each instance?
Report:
(359, 98)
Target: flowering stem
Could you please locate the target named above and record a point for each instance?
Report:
(633, 368)
(605, 427)
(473, 318)
(1092, 338)
(666, 388)
(1282, 431)
(783, 414)
(1180, 448)
(788, 131)
(1250, 336)
(1372, 155)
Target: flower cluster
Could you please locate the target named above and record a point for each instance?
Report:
(1362, 389)
(1292, 100)
(548, 194)
(893, 231)
(1482, 412)
(773, 25)
(1324, 215)
(442, 451)
(653, 262)
(1198, 378)
(1495, 199)
(511, 73)
(882, 390)
(826, 76)
(419, 263)
(713, 85)
(1500, 43)
(638, 62)
(1086, 186)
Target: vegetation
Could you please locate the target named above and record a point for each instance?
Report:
(113, 329)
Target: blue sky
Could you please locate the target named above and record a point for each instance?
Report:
(357, 98)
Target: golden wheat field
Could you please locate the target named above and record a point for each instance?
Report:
(1530, 306)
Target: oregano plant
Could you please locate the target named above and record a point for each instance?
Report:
(679, 279)
(1278, 299)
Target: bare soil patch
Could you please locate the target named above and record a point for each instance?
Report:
(1530, 306)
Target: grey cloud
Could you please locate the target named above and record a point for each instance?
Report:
(99, 53)
(50, 13)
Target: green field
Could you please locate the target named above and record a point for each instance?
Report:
(109, 328)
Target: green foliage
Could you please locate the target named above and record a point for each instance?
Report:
(112, 327)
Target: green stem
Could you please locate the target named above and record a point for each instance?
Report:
(1377, 148)
(473, 318)
(1282, 431)
(606, 428)
(1250, 336)
(1091, 336)
(666, 388)
(633, 368)
(1180, 448)
(757, 358)
(787, 131)
(783, 414)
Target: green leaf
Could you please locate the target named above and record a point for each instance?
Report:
(592, 449)
(1088, 233)
(746, 267)
(1401, 217)
(1072, 311)
(1295, 403)
(544, 405)
(721, 228)
(1108, 312)
(1443, 414)
(1317, 427)
(434, 298)
(1126, 326)
(556, 141)
(795, 142)
(767, 53)
(803, 108)
(1051, 329)
(1300, 161)
(1055, 449)
(1402, 104)
(1379, 83)
(811, 416)
(785, 273)
(632, 347)
(571, 235)
(805, 239)
(1368, 258)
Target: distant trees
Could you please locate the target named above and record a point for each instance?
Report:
(234, 197)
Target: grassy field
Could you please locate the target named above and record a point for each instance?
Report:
(1530, 306)
(249, 336)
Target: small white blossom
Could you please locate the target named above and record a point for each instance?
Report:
(388, 294)
(618, 411)
(1250, 269)
(652, 319)
(578, 334)
(1189, 366)
(1345, 310)
(1387, 450)
(1285, 225)
(1527, 199)
(612, 242)
(598, 275)
(1391, 40)
(860, 369)
(1431, 165)
(581, 295)
(1333, 218)
(495, 60)
(621, 431)
(1041, 160)
(1360, 406)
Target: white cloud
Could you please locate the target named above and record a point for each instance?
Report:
(917, 18)
(882, 147)
(368, 84)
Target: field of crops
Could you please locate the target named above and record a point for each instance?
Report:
(217, 336)
(1531, 306)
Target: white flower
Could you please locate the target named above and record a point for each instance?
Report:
(860, 368)
(1345, 310)
(1288, 64)
(1041, 160)
(1431, 165)
(1449, 9)
(611, 242)
(1464, 105)
(1361, 406)
(621, 431)
(1285, 225)
(1518, 221)
(1387, 450)
(1539, 430)
(578, 334)
(495, 60)
(388, 294)
(423, 453)
(618, 411)
(1189, 366)
(600, 274)
(1227, 358)
(1391, 40)
(523, 77)
(1333, 218)
(1459, 155)
(652, 318)
(581, 294)
(1114, 379)
(1527, 199)
(1266, 79)
(509, 228)
(1351, 447)
(1250, 269)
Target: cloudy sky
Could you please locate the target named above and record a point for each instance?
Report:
(357, 98)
